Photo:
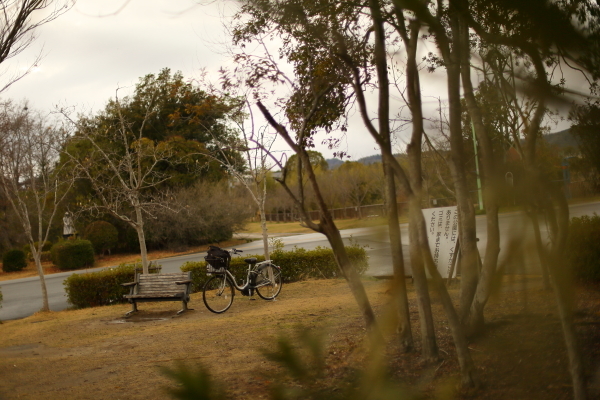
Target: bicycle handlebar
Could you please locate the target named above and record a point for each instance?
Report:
(235, 251)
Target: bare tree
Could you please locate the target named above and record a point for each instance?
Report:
(19, 21)
(123, 169)
(255, 145)
(34, 186)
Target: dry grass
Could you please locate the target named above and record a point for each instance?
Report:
(296, 227)
(96, 354)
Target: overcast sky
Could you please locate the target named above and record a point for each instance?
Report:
(91, 50)
(99, 46)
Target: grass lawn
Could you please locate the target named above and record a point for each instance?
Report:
(97, 354)
(296, 227)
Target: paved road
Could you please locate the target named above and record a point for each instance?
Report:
(22, 296)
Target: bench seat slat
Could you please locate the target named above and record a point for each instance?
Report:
(154, 295)
(150, 277)
(159, 292)
(161, 284)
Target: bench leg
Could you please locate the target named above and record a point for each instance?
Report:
(133, 309)
(184, 309)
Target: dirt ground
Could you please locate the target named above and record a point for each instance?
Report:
(97, 354)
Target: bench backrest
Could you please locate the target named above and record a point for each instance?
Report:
(161, 283)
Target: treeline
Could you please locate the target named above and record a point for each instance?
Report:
(153, 149)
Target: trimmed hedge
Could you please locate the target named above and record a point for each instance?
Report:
(583, 251)
(101, 288)
(296, 265)
(45, 248)
(14, 260)
(73, 254)
(104, 287)
(103, 235)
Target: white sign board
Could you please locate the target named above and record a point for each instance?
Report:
(442, 232)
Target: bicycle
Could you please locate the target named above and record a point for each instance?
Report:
(263, 277)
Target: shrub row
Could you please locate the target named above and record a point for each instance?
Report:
(101, 288)
(296, 265)
(66, 255)
(583, 251)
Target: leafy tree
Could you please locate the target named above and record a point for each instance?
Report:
(316, 159)
(208, 212)
(179, 109)
(123, 169)
(166, 109)
(357, 183)
(103, 235)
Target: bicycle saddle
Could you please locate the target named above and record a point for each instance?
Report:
(251, 260)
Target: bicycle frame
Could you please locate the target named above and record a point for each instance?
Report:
(249, 271)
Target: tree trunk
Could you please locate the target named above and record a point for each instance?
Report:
(430, 351)
(541, 251)
(263, 220)
(562, 280)
(413, 88)
(139, 228)
(352, 277)
(476, 320)
(265, 235)
(467, 367)
(40, 270)
(467, 231)
(399, 284)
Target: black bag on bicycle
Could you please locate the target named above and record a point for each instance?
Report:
(217, 257)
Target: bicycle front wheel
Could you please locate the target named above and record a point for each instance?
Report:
(269, 282)
(218, 294)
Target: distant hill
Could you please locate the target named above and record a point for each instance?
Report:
(336, 162)
(562, 139)
(333, 163)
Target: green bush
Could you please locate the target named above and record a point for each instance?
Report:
(296, 265)
(14, 260)
(583, 251)
(101, 288)
(73, 254)
(46, 256)
(103, 235)
(45, 247)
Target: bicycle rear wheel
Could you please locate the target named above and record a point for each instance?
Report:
(269, 282)
(218, 294)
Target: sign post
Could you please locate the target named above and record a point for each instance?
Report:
(442, 234)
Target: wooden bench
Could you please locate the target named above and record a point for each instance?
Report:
(159, 287)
